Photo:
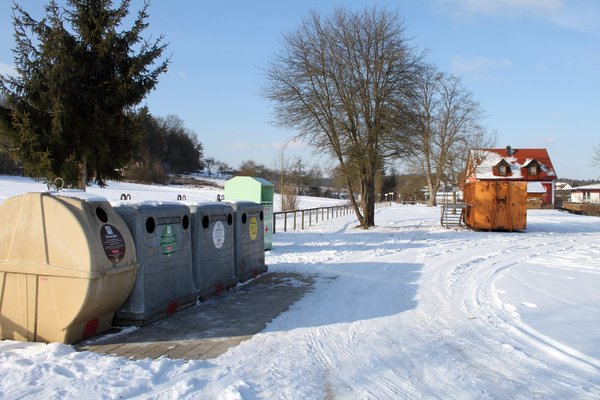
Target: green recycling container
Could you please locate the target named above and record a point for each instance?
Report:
(257, 190)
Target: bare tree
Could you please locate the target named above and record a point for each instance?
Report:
(224, 168)
(338, 81)
(209, 165)
(479, 140)
(252, 168)
(446, 126)
(596, 157)
(300, 176)
(289, 198)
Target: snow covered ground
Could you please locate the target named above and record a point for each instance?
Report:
(14, 185)
(405, 310)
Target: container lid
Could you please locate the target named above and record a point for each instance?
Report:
(78, 194)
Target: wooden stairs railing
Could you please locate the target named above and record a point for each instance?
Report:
(452, 214)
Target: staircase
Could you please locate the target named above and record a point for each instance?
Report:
(452, 214)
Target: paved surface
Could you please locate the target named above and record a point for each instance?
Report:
(208, 329)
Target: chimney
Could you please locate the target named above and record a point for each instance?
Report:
(509, 151)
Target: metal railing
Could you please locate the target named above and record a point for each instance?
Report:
(299, 218)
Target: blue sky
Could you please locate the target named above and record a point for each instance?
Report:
(533, 65)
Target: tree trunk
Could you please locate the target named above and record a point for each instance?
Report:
(368, 202)
(431, 202)
(82, 179)
(355, 206)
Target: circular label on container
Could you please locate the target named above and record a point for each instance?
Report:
(218, 234)
(253, 228)
(112, 243)
(168, 240)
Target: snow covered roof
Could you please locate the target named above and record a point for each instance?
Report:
(483, 164)
(595, 186)
(535, 187)
(562, 186)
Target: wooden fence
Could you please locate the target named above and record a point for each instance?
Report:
(582, 208)
(300, 218)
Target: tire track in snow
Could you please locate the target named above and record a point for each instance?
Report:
(457, 339)
(337, 347)
(334, 346)
(482, 301)
(465, 305)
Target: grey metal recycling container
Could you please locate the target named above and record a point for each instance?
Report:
(162, 236)
(249, 232)
(212, 248)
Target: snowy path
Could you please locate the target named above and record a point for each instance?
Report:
(405, 310)
(416, 311)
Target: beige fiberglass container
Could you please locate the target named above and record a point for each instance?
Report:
(67, 262)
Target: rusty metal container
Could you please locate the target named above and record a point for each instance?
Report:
(495, 205)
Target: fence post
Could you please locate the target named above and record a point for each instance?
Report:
(317, 216)
(285, 222)
(302, 219)
(294, 220)
(274, 223)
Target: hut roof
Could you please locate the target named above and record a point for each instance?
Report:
(482, 162)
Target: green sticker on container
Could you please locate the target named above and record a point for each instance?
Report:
(168, 240)
(253, 228)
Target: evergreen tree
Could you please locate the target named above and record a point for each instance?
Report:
(78, 79)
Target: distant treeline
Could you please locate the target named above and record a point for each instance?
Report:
(165, 146)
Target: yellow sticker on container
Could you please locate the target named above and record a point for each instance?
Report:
(253, 228)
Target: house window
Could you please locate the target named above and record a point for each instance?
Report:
(533, 170)
(502, 168)
(587, 196)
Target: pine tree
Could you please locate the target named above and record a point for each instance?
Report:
(78, 80)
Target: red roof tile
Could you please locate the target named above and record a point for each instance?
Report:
(518, 159)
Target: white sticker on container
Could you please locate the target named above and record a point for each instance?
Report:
(218, 234)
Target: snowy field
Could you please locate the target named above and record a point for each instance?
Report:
(12, 186)
(407, 310)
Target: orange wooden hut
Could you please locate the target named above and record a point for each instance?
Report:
(499, 184)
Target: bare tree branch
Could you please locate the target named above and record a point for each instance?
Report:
(447, 124)
(339, 82)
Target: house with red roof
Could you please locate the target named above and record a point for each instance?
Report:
(507, 164)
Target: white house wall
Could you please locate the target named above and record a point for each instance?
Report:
(578, 197)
